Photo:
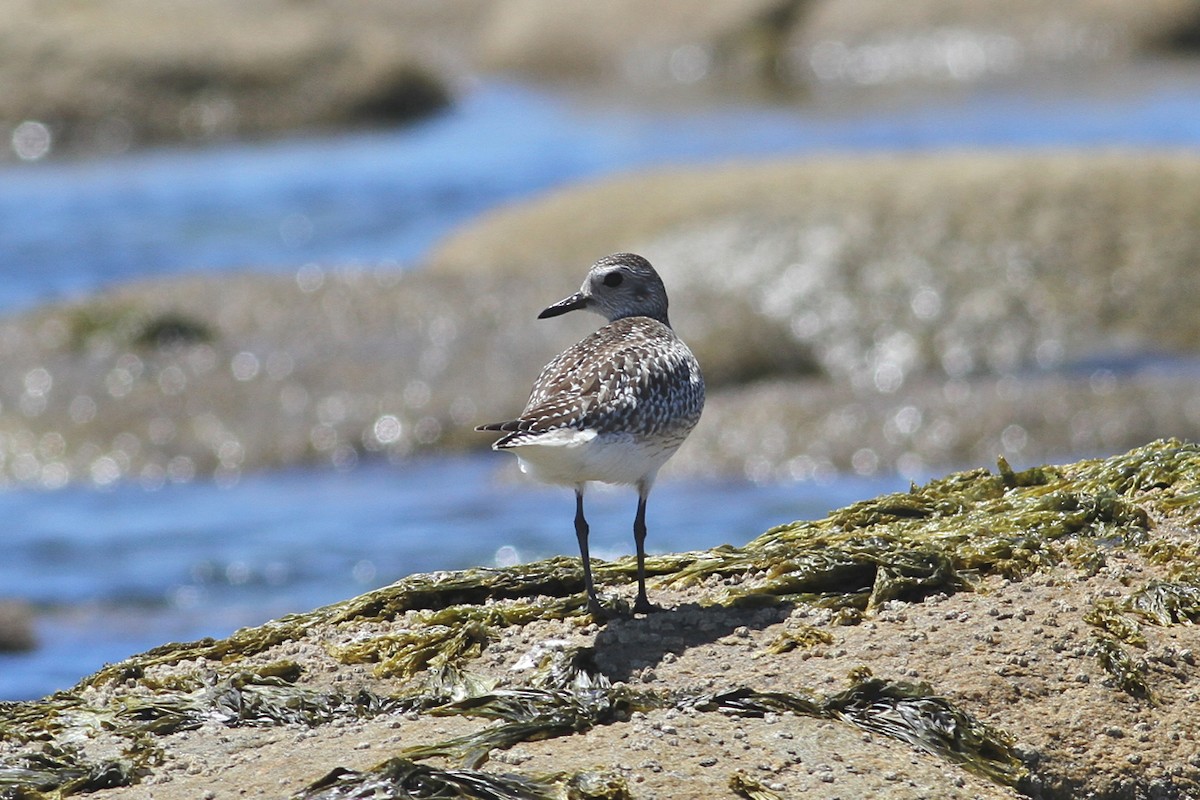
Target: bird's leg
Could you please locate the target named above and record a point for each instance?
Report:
(642, 605)
(581, 533)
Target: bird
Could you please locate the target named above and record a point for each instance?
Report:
(614, 407)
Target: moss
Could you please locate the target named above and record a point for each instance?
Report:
(1129, 674)
(1167, 603)
(1106, 615)
(743, 785)
(798, 636)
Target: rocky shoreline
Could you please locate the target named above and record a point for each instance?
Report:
(855, 314)
(101, 78)
(994, 634)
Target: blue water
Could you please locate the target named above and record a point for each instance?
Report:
(118, 571)
(383, 198)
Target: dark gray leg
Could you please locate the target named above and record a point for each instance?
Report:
(581, 533)
(642, 605)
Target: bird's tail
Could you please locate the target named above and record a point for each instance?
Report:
(510, 426)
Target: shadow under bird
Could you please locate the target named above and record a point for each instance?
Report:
(613, 407)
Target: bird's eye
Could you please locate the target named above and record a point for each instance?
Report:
(613, 279)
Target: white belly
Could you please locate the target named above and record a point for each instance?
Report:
(572, 457)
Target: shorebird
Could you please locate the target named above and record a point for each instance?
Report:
(614, 407)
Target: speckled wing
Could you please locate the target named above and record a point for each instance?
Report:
(632, 376)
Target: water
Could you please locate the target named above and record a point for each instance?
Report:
(67, 228)
(115, 572)
(120, 571)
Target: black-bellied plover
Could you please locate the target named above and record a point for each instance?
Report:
(614, 407)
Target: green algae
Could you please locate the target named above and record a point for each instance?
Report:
(1167, 603)
(266, 698)
(565, 695)
(940, 538)
(905, 711)
(59, 772)
(937, 538)
(1162, 603)
(911, 713)
(246, 699)
(571, 696)
(408, 652)
(1128, 673)
(1107, 617)
(744, 785)
(798, 636)
(402, 777)
(576, 698)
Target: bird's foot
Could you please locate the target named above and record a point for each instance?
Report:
(643, 606)
(597, 611)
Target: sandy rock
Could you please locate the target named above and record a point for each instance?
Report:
(617, 40)
(994, 635)
(861, 43)
(824, 43)
(913, 303)
(104, 76)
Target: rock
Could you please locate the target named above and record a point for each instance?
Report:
(101, 77)
(854, 314)
(618, 41)
(16, 627)
(862, 43)
(828, 43)
(104, 76)
(898, 299)
(976, 601)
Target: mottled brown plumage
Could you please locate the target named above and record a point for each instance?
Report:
(614, 407)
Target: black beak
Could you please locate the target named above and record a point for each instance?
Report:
(572, 303)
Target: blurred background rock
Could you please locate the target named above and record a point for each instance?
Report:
(16, 627)
(102, 76)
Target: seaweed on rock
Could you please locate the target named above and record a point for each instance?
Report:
(1167, 603)
(400, 777)
(1162, 603)
(904, 711)
(941, 538)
